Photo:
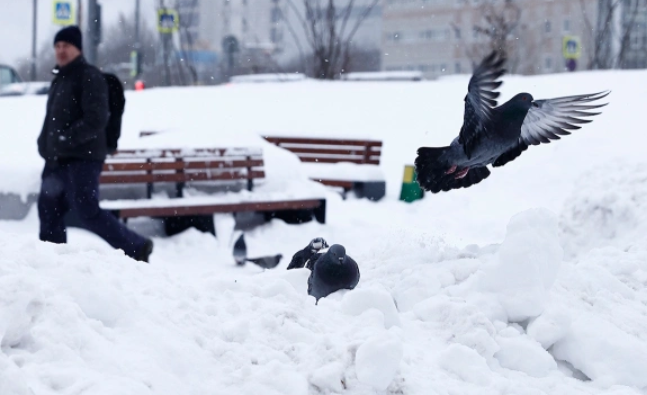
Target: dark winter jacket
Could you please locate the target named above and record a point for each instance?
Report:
(77, 114)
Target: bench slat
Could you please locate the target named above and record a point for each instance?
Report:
(351, 152)
(336, 183)
(321, 141)
(177, 177)
(337, 160)
(218, 208)
(185, 153)
(180, 165)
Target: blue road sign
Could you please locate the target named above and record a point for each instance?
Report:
(63, 13)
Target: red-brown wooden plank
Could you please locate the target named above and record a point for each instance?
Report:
(177, 177)
(335, 183)
(198, 164)
(359, 161)
(224, 153)
(322, 141)
(302, 150)
(217, 208)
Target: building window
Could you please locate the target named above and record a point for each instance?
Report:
(457, 33)
(547, 27)
(275, 15)
(567, 25)
(457, 68)
(276, 35)
(548, 64)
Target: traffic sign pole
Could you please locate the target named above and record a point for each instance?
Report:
(93, 32)
(33, 41)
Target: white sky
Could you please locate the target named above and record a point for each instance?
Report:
(16, 23)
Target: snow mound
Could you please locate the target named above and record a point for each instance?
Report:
(377, 360)
(527, 266)
(606, 208)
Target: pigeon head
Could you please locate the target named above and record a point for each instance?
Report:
(337, 252)
(523, 101)
(318, 243)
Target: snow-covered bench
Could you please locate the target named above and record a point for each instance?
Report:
(186, 187)
(344, 163)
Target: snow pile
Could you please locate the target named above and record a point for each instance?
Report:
(607, 208)
(425, 317)
(527, 266)
(78, 320)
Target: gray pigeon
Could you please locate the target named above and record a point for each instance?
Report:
(266, 262)
(304, 258)
(497, 135)
(240, 255)
(334, 270)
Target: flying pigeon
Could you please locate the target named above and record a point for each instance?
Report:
(240, 255)
(303, 258)
(497, 135)
(334, 270)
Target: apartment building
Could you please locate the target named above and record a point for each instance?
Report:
(438, 37)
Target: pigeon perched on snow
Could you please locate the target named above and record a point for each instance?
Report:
(498, 135)
(303, 258)
(266, 262)
(334, 270)
(240, 255)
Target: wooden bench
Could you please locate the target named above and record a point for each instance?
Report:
(323, 150)
(224, 170)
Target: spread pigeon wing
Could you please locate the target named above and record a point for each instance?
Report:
(548, 119)
(481, 98)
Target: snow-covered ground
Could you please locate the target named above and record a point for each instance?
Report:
(532, 282)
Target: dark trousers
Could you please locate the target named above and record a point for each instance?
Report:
(74, 185)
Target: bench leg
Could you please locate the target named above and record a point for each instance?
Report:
(320, 212)
(175, 225)
(371, 190)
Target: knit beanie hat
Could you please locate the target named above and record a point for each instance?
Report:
(70, 34)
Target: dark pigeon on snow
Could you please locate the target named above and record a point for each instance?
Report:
(334, 270)
(240, 250)
(493, 135)
(304, 258)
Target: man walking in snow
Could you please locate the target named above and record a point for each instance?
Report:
(73, 144)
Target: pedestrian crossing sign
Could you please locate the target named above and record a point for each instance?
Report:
(63, 13)
(571, 47)
(168, 20)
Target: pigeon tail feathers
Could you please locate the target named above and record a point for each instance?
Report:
(432, 171)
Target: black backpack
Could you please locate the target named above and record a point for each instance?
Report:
(116, 104)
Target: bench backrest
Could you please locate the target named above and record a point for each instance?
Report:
(182, 166)
(322, 150)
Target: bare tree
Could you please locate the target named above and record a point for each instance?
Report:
(498, 26)
(186, 40)
(329, 30)
(612, 32)
(118, 43)
(45, 65)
